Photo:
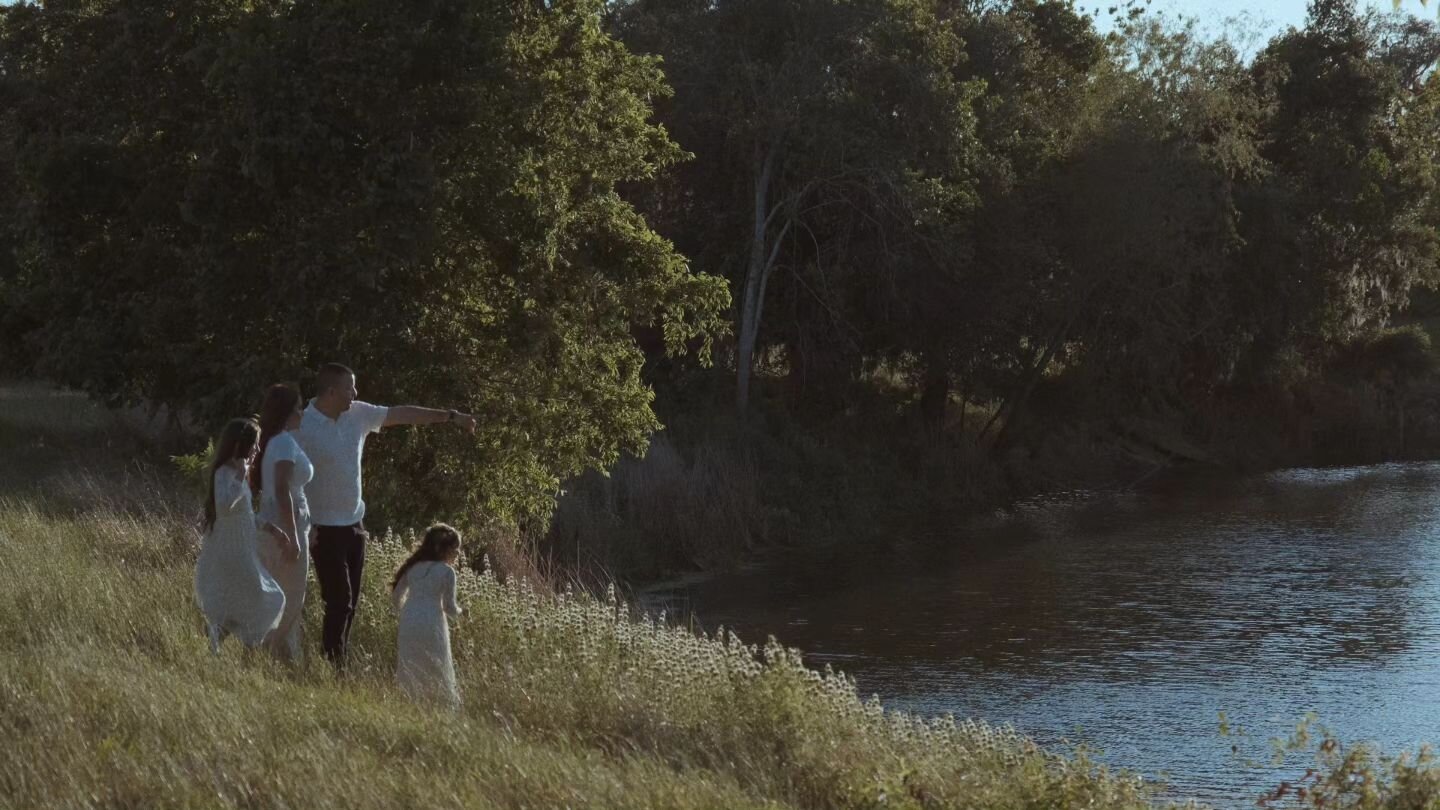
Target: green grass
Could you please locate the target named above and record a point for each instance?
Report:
(109, 699)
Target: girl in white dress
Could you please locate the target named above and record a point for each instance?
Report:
(235, 593)
(424, 592)
(279, 477)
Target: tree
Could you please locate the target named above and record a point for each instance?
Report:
(971, 305)
(424, 191)
(1103, 247)
(818, 125)
(1342, 225)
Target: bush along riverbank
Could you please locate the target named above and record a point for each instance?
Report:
(873, 477)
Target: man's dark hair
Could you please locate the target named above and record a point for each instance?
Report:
(330, 376)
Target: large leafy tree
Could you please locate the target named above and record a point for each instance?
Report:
(828, 134)
(1342, 225)
(1150, 224)
(977, 314)
(1209, 213)
(1107, 222)
(425, 191)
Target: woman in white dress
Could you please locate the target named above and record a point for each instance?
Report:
(424, 592)
(235, 593)
(279, 477)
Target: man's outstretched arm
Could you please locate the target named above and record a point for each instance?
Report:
(416, 415)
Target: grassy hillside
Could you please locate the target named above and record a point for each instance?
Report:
(108, 696)
(109, 699)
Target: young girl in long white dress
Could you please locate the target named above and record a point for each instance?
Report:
(235, 593)
(279, 476)
(424, 592)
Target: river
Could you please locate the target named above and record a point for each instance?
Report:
(1128, 622)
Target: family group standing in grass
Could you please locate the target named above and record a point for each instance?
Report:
(304, 465)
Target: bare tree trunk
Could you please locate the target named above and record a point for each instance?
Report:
(757, 274)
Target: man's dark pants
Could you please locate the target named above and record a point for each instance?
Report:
(339, 556)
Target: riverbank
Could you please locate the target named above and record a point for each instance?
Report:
(1104, 618)
(714, 493)
(111, 700)
(872, 479)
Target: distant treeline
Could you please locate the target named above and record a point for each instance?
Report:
(538, 210)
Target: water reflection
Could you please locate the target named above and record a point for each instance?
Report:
(1129, 621)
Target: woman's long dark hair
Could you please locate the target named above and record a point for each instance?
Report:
(281, 400)
(236, 441)
(439, 540)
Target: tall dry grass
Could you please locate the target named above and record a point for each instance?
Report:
(662, 513)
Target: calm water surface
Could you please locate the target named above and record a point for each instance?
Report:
(1129, 622)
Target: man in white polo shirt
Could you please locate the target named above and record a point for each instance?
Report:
(332, 433)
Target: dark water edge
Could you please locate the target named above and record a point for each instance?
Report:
(1128, 621)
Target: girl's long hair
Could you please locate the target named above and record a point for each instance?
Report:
(439, 540)
(236, 441)
(281, 400)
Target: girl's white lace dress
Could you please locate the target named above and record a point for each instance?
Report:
(289, 574)
(424, 596)
(236, 594)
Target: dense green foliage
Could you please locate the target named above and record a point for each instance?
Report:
(212, 196)
(834, 147)
(1125, 250)
(1146, 212)
(984, 212)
